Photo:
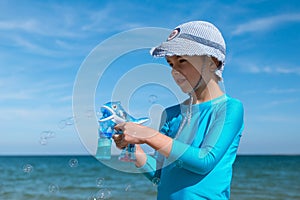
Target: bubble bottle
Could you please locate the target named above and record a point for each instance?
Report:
(104, 141)
(111, 114)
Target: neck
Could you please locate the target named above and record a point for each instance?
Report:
(210, 91)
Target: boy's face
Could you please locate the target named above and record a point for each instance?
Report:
(186, 70)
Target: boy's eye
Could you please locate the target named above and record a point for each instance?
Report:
(182, 60)
(170, 63)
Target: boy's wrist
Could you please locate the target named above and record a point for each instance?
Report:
(141, 157)
(160, 142)
(150, 136)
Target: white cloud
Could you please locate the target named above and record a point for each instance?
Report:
(255, 69)
(26, 25)
(106, 20)
(273, 118)
(284, 91)
(275, 103)
(44, 34)
(99, 19)
(43, 25)
(267, 23)
(33, 46)
(15, 95)
(273, 91)
(285, 70)
(67, 98)
(40, 114)
(18, 88)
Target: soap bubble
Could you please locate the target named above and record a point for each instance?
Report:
(92, 197)
(100, 182)
(62, 124)
(99, 114)
(52, 188)
(43, 141)
(156, 181)
(179, 163)
(69, 121)
(103, 193)
(45, 135)
(89, 113)
(127, 188)
(66, 122)
(152, 99)
(73, 162)
(27, 168)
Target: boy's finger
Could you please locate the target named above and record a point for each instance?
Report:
(120, 125)
(117, 137)
(119, 128)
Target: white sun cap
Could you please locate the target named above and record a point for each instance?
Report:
(194, 38)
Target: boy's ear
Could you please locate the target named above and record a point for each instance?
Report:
(217, 63)
(213, 64)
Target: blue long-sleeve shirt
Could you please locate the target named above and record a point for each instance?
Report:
(199, 165)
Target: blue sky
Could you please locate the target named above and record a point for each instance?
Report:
(44, 43)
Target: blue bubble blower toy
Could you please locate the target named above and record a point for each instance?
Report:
(112, 113)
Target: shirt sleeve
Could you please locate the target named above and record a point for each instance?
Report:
(152, 168)
(149, 168)
(227, 125)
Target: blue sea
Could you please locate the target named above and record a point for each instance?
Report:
(85, 178)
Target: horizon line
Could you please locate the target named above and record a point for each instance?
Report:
(240, 154)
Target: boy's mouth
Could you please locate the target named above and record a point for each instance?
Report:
(180, 81)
